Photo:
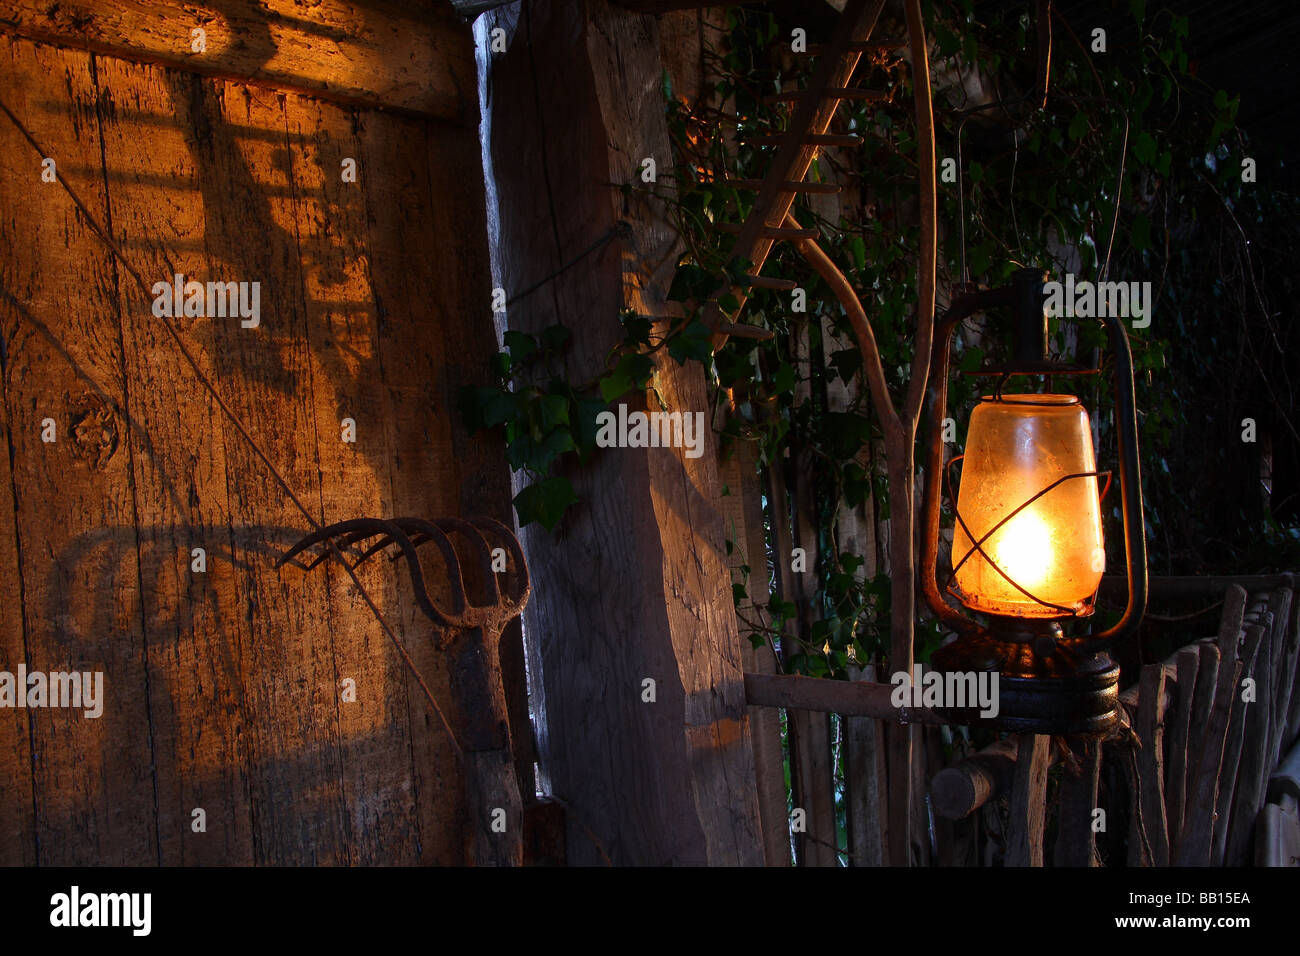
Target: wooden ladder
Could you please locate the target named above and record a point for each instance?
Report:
(769, 219)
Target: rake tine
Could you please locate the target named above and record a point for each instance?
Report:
(520, 597)
(426, 605)
(370, 527)
(434, 534)
(484, 553)
(347, 541)
(352, 525)
(417, 539)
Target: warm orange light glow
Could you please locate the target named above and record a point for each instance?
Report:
(1053, 548)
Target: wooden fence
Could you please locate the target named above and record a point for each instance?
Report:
(1183, 780)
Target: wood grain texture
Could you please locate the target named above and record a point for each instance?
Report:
(743, 511)
(1234, 742)
(1075, 840)
(633, 584)
(1188, 662)
(1151, 762)
(94, 791)
(415, 58)
(1028, 801)
(224, 686)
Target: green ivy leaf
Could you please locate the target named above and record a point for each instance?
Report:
(633, 372)
(785, 378)
(1144, 148)
(1078, 126)
(552, 410)
(487, 406)
(545, 502)
(585, 427)
(693, 342)
(521, 345)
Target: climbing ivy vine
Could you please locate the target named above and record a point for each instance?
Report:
(1038, 187)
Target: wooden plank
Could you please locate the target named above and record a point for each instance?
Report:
(743, 513)
(1196, 842)
(1286, 777)
(1207, 677)
(418, 58)
(853, 698)
(1256, 755)
(1188, 661)
(864, 759)
(945, 841)
(1139, 832)
(1278, 842)
(1286, 621)
(808, 732)
(292, 732)
(1151, 776)
(348, 380)
(92, 779)
(17, 811)
(423, 272)
(179, 477)
(1075, 843)
(1028, 802)
(1235, 744)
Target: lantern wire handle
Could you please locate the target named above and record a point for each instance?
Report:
(1013, 101)
(978, 546)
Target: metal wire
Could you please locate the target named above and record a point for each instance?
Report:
(978, 546)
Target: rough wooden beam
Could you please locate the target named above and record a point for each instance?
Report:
(418, 59)
(1188, 661)
(846, 698)
(743, 511)
(961, 789)
(1075, 844)
(1235, 743)
(1151, 761)
(1254, 768)
(633, 584)
(1028, 802)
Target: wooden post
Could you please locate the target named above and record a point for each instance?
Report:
(1075, 845)
(1188, 661)
(1195, 842)
(633, 586)
(1028, 802)
(1150, 764)
(745, 529)
(1234, 744)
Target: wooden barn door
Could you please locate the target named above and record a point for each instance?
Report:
(250, 715)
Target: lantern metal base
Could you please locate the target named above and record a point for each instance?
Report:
(1045, 684)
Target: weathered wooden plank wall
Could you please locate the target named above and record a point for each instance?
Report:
(223, 688)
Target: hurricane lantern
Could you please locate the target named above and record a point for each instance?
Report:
(1027, 550)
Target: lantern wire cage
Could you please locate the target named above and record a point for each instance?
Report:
(977, 544)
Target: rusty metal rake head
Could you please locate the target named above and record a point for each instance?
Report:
(408, 534)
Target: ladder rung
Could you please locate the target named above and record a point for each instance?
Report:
(837, 93)
(789, 187)
(737, 331)
(815, 140)
(769, 232)
(862, 46)
(769, 282)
